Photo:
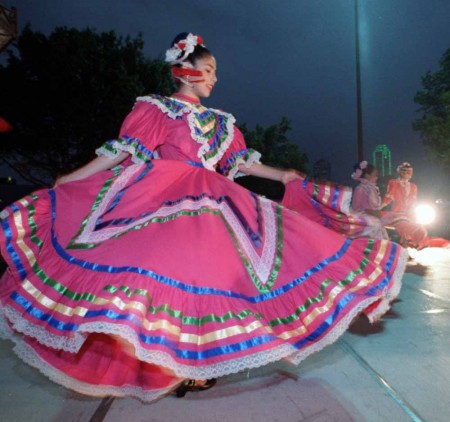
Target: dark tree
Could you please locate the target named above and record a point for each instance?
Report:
(434, 99)
(67, 93)
(276, 150)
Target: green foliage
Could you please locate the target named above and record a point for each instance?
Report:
(67, 93)
(274, 145)
(434, 100)
(277, 151)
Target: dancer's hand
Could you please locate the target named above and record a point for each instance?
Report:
(375, 213)
(60, 181)
(291, 175)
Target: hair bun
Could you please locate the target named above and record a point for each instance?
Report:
(404, 166)
(359, 169)
(182, 45)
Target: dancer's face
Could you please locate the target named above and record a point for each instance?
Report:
(372, 177)
(203, 88)
(405, 174)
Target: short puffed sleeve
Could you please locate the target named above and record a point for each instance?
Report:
(237, 153)
(142, 131)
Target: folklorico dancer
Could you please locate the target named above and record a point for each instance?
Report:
(366, 199)
(401, 196)
(163, 274)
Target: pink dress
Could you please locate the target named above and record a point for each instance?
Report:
(366, 196)
(329, 204)
(135, 278)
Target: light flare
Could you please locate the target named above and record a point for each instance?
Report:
(425, 214)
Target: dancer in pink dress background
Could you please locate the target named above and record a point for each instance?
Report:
(366, 197)
(135, 276)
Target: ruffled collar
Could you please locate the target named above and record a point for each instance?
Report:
(212, 129)
(186, 98)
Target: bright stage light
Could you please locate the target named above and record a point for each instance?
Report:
(425, 214)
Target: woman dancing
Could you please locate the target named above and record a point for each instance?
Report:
(156, 274)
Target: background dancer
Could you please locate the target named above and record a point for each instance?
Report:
(401, 196)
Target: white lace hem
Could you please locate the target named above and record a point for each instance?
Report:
(393, 292)
(283, 351)
(28, 355)
(4, 214)
(346, 200)
(21, 325)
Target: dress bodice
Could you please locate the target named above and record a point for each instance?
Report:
(178, 128)
(366, 196)
(402, 194)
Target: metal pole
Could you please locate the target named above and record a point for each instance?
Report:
(358, 87)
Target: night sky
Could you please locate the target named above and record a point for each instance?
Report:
(294, 58)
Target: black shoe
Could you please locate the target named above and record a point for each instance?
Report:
(191, 385)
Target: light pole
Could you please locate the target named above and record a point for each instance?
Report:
(358, 87)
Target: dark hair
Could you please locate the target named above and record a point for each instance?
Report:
(369, 169)
(199, 51)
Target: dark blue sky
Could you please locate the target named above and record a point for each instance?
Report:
(293, 58)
